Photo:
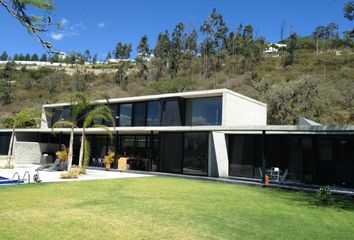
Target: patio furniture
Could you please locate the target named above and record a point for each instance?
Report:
(56, 166)
(276, 175)
(122, 163)
(283, 177)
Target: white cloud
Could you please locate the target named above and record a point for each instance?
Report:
(68, 30)
(101, 25)
(64, 21)
(56, 36)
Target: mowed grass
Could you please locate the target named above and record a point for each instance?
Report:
(166, 208)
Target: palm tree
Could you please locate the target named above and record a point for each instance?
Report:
(79, 106)
(100, 111)
(27, 117)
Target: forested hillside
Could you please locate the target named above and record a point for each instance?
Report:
(313, 76)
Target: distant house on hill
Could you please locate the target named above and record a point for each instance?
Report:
(275, 47)
(112, 60)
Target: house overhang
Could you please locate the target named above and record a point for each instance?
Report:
(269, 129)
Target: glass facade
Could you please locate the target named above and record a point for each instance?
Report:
(185, 153)
(60, 114)
(141, 150)
(139, 118)
(4, 143)
(203, 111)
(310, 159)
(125, 115)
(195, 159)
(244, 155)
(172, 112)
(153, 113)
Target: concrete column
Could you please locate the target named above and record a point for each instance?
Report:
(218, 157)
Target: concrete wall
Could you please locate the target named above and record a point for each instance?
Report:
(31, 152)
(239, 110)
(46, 120)
(3, 160)
(218, 157)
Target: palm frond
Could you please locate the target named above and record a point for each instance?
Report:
(79, 104)
(27, 116)
(62, 124)
(108, 131)
(100, 111)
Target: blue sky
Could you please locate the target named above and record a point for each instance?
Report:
(99, 25)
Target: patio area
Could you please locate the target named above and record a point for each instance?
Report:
(45, 176)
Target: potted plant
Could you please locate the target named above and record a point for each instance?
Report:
(108, 159)
(63, 154)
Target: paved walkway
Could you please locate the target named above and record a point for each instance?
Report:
(92, 174)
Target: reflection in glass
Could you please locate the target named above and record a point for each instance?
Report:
(125, 115)
(195, 153)
(139, 114)
(153, 114)
(203, 111)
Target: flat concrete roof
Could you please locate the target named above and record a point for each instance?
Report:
(192, 94)
(281, 129)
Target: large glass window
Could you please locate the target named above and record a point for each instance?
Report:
(115, 109)
(171, 112)
(61, 114)
(4, 143)
(139, 114)
(203, 111)
(244, 155)
(125, 115)
(171, 157)
(195, 153)
(153, 113)
(184, 153)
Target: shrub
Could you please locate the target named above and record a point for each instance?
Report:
(81, 170)
(324, 194)
(10, 165)
(75, 172)
(68, 175)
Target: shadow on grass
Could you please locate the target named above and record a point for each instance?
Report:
(340, 202)
(302, 199)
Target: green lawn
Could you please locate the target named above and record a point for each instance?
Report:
(166, 208)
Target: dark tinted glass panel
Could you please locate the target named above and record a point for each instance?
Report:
(204, 111)
(139, 114)
(344, 165)
(4, 143)
(125, 115)
(195, 153)
(171, 112)
(171, 152)
(153, 114)
(115, 109)
(242, 156)
(127, 145)
(325, 163)
(66, 114)
(98, 149)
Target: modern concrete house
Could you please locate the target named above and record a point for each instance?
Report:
(216, 133)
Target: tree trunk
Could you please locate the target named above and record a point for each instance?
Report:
(82, 146)
(70, 154)
(9, 154)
